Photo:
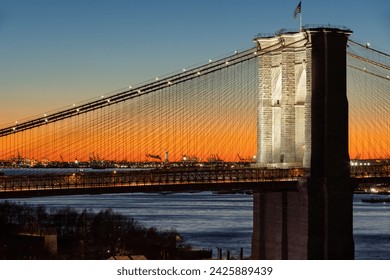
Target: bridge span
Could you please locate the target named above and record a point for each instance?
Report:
(174, 180)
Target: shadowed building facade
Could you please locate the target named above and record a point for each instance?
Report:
(303, 122)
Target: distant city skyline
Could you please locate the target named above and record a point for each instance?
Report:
(56, 53)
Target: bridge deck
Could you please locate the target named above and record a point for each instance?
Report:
(183, 180)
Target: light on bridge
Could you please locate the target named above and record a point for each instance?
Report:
(352, 163)
(373, 190)
(129, 87)
(210, 60)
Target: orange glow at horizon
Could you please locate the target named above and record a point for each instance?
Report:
(369, 111)
(210, 117)
(112, 144)
(196, 136)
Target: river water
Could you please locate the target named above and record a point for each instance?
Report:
(212, 221)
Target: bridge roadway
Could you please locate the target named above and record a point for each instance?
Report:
(176, 180)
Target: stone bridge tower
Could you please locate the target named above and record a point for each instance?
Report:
(303, 122)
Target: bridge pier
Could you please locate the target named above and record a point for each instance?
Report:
(314, 222)
(278, 222)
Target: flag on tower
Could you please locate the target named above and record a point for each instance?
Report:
(297, 9)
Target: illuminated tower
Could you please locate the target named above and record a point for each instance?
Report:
(303, 121)
(282, 100)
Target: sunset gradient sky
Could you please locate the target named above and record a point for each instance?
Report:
(56, 53)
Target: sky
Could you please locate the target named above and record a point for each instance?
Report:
(54, 53)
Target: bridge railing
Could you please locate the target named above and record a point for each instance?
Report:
(157, 178)
(362, 171)
(145, 178)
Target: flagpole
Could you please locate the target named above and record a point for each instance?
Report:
(300, 18)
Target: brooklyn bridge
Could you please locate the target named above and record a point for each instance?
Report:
(300, 120)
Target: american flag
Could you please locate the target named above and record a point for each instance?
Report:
(297, 10)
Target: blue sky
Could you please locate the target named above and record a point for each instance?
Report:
(57, 52)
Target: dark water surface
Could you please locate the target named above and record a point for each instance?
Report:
(212, 221)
